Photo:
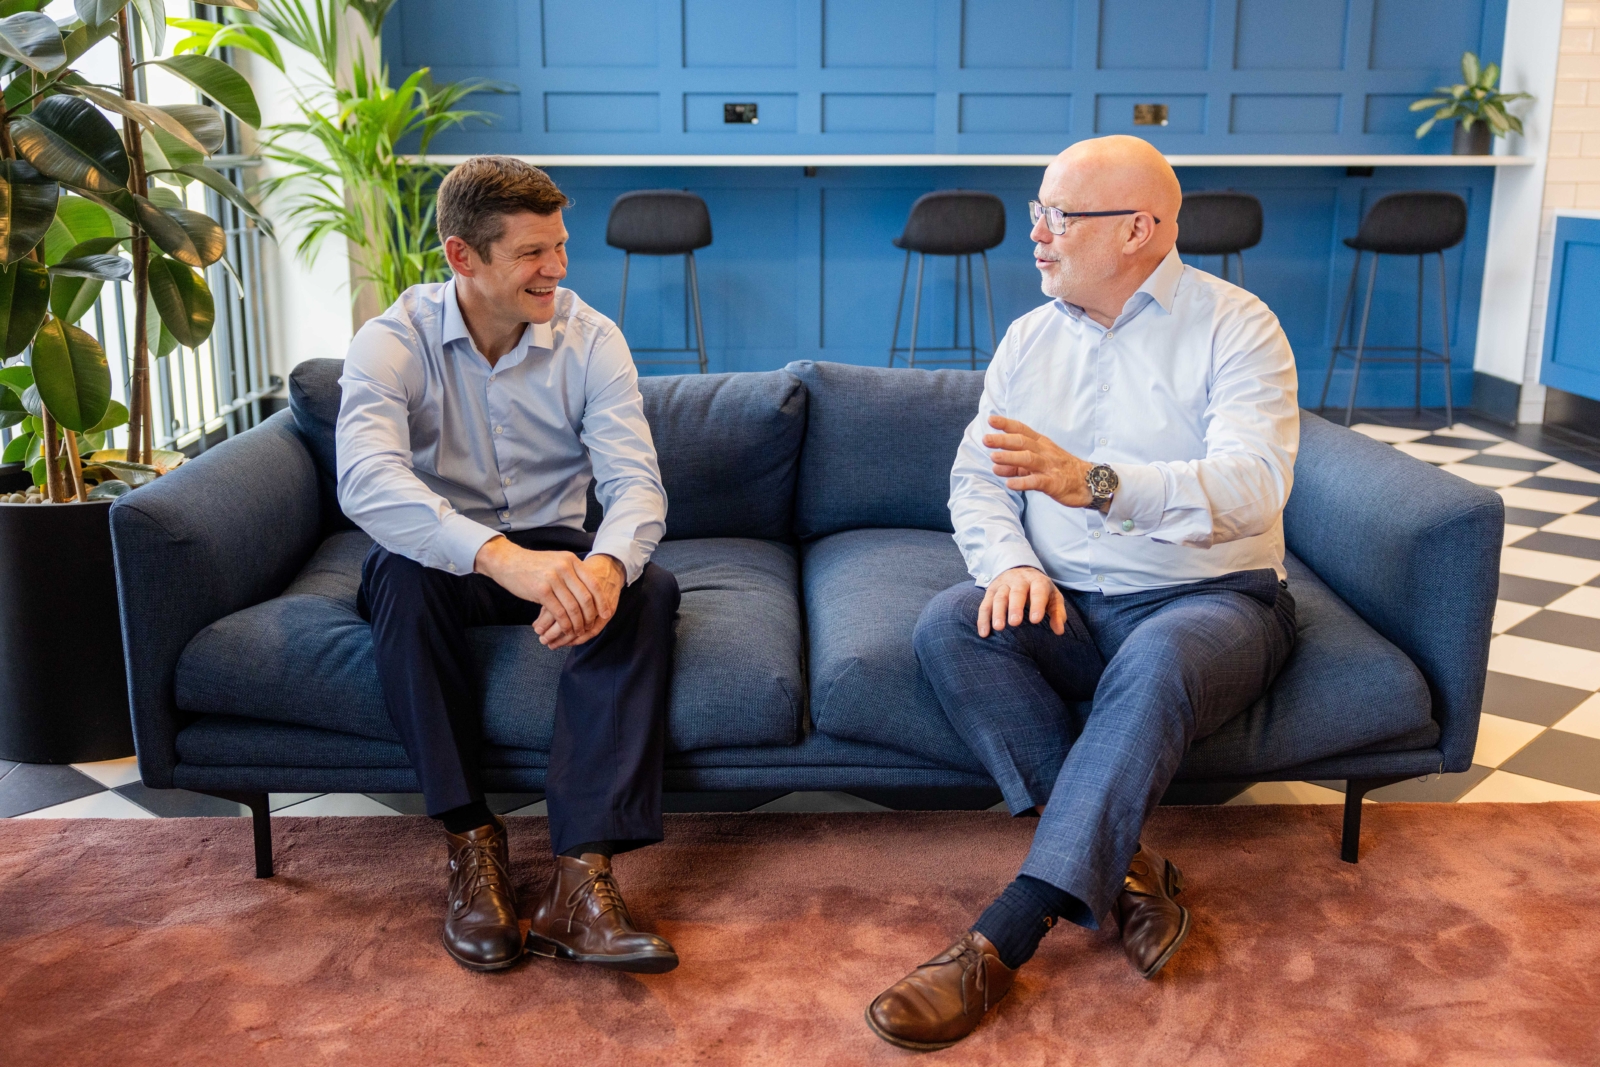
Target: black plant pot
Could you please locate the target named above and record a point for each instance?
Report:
(63, 686)
(1473, 142)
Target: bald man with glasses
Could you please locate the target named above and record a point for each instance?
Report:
(1118, 499)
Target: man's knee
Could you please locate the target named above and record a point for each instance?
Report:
(952, 614)
(657, 588)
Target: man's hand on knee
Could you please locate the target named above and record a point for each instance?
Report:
(571, 591)
(1019, 592)
(610, 577)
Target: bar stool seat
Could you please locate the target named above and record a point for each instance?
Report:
(663, 222)
(1219, 224)
(1401, 224)
(952, 222)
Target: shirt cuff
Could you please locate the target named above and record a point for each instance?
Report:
(624, 550)
(459, 540)
(1139, 502)
(997, 560)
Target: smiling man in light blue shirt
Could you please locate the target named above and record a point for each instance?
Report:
(475, 415)
(1118, 499)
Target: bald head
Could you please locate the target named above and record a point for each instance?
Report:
(1100, 261)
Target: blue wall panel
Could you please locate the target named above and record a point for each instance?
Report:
(803, 268)
(1571, 359)
(1195, 56)
(602, 112)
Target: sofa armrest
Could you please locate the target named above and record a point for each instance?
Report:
(1415, 551)
(226, 530)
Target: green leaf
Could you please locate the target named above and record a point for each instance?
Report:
(71, 374)
(78, 220)
(219, 81)
(105, 268)
(116, 415)
(1422, 131)
(163, 198)
(85, 37)
(11, 411)
(204, 125)
(11, 7)
(110, 489)
(227, 190)
(153, 13)
(152, 118)
(94, 12)
(24, 298)
(73, 298)
(156, 335)
(72, 291)
(251, 39)
(1432, 101)
(1491, 75)
(67, 138)
(35, 406)
(27, 207)
(169, 151)
(183, 300)
(33, 40)
(1469, 68)
(243, 5)
(16, 378)
(18, 448)
(204, 242)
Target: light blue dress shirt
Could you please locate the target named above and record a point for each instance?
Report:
(1190, 396)
(439, 452)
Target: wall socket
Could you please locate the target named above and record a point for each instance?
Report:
(1149, 114)
(740, 113)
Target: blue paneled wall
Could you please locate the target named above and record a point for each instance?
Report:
(945, 76)
(803, 268)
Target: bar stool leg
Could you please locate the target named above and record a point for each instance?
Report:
(988, 298)
(916, 312)
(622, 306)
(699, 324)
(1361, 342)
(972, 318)
(899, 306)
(1238, 257)
(1444, 323)
(955, 308)
(1338, 336)
(1417, 406)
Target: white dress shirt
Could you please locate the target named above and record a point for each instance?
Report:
(1190, 396)
(438, 451)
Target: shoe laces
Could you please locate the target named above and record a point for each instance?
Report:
(600, 884)
(476, 867)
(967, 953)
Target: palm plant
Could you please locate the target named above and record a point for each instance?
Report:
(1475, 97)
(346, 173)
(74, 193)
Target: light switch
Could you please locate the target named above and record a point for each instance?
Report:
(746, 113)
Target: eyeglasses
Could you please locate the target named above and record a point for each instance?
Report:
(1056, 219)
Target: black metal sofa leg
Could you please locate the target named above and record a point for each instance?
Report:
(260, 822)
(1355, 790)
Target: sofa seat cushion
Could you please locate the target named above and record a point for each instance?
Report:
(1344, 688)
(305, 658)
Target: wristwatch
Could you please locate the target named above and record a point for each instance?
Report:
(1102, 482)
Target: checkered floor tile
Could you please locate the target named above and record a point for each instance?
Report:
(1539, 739)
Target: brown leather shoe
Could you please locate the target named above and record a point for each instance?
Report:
(945, 999)
(1153, 924)
(481, 931)
(582, 918)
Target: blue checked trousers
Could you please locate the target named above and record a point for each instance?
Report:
(1093, 724)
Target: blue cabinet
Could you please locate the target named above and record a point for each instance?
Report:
(1571, 359)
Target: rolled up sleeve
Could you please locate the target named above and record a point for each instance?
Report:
(627, 474)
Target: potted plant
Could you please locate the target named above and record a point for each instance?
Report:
(75, 194)
(1477, 106)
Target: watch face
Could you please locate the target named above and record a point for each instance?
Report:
(1102, 481)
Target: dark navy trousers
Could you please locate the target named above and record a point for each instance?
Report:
(604, 778)
(1093, 724)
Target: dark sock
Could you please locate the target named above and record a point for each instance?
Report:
(1020, 917)
(602, 848)
(466, 817)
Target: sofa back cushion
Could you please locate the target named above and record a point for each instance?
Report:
(729, 445)
(879, 445)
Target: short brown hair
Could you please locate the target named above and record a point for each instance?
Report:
(475, 197)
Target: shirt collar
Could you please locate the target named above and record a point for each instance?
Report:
(454, 327)
(1161, 287)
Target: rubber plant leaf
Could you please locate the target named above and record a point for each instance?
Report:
(76, 281)
(86, 37)
(16, 378)
(24, 299)
(169, 151)
(204, 242)
(153, 13)
(27, 207)
(116, 415)
(72, 375)
(79, 220)
(67, 138)
(11, 410)
(227, 190)
(34, 40)
(153, 118)
(183, 300)
(204, 125)
(217, 80)
(156, 334)
(94, 12)
(17, 449)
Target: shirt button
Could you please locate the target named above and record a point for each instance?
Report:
(1100, 578)
(450, 566)
(502, 429)
(1127, 525)
(1095, 535)
(1105, 387)
(1103, 440)
(1108, 335)
(506, 480)
(505, 516)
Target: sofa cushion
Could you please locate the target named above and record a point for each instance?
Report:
(879, 446)
(1344, 687)
(728, 445)
(314, 404)
(305, 658)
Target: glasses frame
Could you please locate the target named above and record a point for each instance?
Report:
(1051, 215)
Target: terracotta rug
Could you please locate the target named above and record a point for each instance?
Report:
(1469, 934)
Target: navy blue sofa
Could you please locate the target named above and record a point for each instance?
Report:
(807, 527)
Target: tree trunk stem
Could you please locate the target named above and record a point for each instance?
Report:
(139, 406)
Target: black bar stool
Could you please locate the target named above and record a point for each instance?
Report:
(663, 222)
(1219, 224)
(957, 223)
(1401, 224)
